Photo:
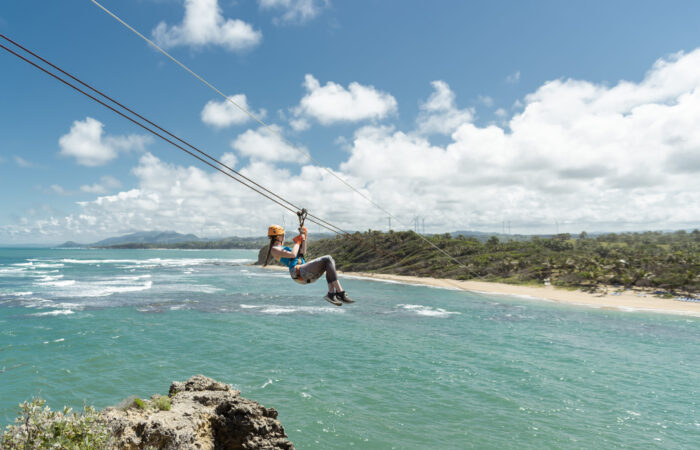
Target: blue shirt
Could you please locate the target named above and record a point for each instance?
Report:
(292, 262)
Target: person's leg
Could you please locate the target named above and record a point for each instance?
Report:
(333, 283)
(313, 270)
(335, 286)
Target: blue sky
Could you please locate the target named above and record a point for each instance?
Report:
(549, 115)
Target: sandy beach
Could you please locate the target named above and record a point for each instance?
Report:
(626, 300)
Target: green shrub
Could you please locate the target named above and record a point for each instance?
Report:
(161, 403)
(139, 404)
(38, 427)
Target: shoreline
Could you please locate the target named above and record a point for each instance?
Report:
(625, 300)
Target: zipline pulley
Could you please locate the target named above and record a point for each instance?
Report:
(302, 217)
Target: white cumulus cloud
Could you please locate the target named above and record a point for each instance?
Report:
(264, 145)
(107, 183)
(295, 11)
(204, 25)
(333, 103)
(439, 114)
(222, 114)
(86, 143)
(584, 155)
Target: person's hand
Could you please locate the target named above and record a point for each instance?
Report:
(305, 232)
(299, 239)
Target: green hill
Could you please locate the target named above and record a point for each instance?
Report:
(666, 261)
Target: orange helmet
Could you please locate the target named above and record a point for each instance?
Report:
(275, 230)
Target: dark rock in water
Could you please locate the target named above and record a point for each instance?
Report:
(261, 258)
(204, 414)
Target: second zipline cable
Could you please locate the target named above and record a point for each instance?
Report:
(280, 200)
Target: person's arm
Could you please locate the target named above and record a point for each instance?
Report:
(279, 252)
(302, 249)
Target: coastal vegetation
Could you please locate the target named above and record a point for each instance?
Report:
(157, 402)
(197, 413)
(666, 262)
(38, 427)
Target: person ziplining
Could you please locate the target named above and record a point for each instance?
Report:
(301, 271)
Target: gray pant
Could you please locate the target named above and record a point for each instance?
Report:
(312, 270)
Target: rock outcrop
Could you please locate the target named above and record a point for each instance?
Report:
(261, 258)
(203, 414)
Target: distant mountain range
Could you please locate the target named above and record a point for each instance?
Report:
(150, 237)
(141, 237)
(172, 239)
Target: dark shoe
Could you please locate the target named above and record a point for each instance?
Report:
(330, 297)
(343, 297)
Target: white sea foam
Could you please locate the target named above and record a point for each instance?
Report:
(427, 311)
(38, 265)
(57, 312)
(284, 309)
(106, 290)
(163, 262)
(11, 270)
(61, 283)
(97, 288)
(183, 287)
(50, 277)
(19, 294)
(36, 302)
(279, 309)
(132, 278)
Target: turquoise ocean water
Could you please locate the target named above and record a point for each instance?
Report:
(404, 367)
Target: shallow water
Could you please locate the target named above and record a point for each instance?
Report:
(404, 367)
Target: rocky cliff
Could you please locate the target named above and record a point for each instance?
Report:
(200, 413)
(261, 258)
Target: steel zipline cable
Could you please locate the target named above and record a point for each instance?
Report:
(286, 204)
(278, 199)
(271, 129)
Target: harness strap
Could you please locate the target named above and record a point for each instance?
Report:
(298, 277)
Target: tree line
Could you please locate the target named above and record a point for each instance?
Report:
(669, 262)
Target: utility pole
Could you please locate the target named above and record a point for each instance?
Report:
(389, 222)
